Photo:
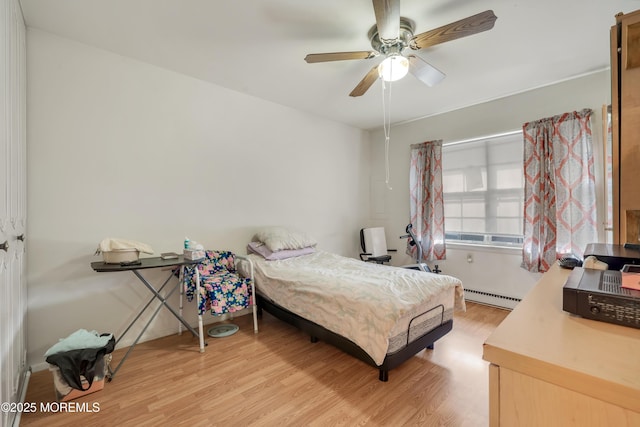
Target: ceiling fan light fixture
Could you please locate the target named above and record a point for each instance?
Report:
(394, 67)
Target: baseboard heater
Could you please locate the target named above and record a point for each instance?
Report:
(491, 298)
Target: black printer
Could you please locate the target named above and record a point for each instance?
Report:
(616, 256)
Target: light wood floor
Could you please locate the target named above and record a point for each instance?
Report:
(278, 378)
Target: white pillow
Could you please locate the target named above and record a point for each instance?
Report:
(262, 250)
(279, 238)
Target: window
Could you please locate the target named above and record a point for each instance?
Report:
(483, 185)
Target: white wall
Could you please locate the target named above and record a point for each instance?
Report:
(495, 271)
(120, 148)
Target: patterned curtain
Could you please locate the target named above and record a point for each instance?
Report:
(426, 200)
(560, 200)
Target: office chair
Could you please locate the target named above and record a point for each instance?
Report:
(374, 245)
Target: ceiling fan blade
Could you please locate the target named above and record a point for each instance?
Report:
(424, 71)
(339, 56)
(465, 27)
(387, 18)
(365, 83)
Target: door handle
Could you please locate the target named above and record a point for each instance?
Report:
(5, 246)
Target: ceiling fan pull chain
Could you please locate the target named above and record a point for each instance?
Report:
(386, 156)
(386, 112)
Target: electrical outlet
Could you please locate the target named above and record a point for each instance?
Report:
(469, 258)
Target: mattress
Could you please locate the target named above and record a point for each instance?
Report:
(370, 304)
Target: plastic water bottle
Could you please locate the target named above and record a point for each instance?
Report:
(186, 243)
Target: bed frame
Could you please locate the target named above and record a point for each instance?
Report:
(318, 332)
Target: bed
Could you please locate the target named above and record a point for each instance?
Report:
(380, 314)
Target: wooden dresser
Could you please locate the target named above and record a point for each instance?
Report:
(551, 368)
(625, 117)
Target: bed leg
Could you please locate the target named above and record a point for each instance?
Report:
(384, 375)
(430, 346)
(314, 339)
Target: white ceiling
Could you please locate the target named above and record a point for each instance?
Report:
(257, 47)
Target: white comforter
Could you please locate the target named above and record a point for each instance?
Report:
(361, 301)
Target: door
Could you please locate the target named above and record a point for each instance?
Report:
(13, 293)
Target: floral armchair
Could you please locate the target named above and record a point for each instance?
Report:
(222, 288)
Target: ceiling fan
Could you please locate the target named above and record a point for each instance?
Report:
(393, 34)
